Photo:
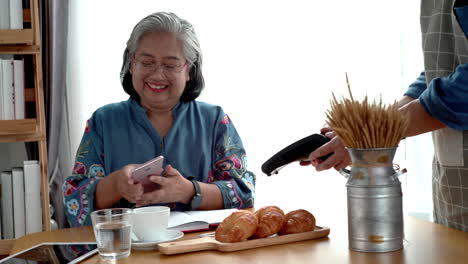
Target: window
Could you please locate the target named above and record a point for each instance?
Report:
(272, 66)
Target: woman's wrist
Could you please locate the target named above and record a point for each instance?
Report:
(189, 192)
(107, 191)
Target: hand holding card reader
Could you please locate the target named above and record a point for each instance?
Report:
(142, 173)
(297, 151)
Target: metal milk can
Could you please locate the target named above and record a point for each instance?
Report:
(375, 213)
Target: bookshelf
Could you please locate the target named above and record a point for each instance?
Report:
(28, 42)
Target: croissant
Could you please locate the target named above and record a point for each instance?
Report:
(237, 227)
(298, 221)
(270, 221)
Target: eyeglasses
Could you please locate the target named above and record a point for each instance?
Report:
(149, 65)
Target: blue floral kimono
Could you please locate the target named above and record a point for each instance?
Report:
(202, 143)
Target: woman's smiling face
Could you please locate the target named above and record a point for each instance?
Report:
(159, 70)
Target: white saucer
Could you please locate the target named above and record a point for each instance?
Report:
(169, 235)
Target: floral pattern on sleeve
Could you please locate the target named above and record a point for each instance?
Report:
(229, 171)
(79, 188)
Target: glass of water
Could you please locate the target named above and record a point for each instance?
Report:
(112, 229)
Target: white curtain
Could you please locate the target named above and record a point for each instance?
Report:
(272, 66)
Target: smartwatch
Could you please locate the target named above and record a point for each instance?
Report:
(197, 197)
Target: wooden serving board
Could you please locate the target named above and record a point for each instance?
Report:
(210, 243)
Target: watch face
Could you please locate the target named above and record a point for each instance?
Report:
(196, 201)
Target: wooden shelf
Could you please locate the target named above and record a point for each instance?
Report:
(28, 42)
(14, 127)
(17, 36)
(36, 137)
(19, 49)
(22, 126)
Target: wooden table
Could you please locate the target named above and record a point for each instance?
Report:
(425, 242)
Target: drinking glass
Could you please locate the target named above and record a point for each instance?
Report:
(113, 228)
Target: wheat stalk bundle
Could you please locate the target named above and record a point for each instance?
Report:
(364, 124)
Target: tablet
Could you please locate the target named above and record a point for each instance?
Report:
(39, 252)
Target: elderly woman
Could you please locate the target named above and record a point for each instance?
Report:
(204, 157)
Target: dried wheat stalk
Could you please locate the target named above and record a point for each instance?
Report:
(364, 124)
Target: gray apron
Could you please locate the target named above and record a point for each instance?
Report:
(445, 46)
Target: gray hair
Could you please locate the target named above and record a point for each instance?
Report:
(184, 31)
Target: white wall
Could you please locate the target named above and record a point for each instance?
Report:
(272, 65)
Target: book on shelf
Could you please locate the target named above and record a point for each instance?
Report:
(18, 83)
(4, 14)
(16, 14)
(32, 196)
(7, 89)
(21, 200)
(11, 14)
(192, 221)
(7, 205)
(18, 202)
(1, 90)
(1, 176)
(12, 84)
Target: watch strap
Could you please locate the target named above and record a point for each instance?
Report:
(197, 197)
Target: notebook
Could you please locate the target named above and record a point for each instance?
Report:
(192, 221)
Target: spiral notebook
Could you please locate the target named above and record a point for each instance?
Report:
(193, 221)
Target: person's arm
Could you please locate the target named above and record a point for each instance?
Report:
(417, 87)
(88, 188)
(405, 100)
(420, 121)
(212, 198)
(108, 185)
(446, 100)
(414, 90)
(117, 185)
(461, 11)
(229, 183)
(174, 187)
(79, 188)
(229, 171)
(340, 157)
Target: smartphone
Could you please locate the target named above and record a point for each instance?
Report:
(152, 167)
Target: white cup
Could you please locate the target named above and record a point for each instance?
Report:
(150, 223)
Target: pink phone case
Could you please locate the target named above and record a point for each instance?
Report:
(142, 173)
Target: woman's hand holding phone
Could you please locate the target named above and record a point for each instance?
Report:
(126, 185)
(173, 188)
